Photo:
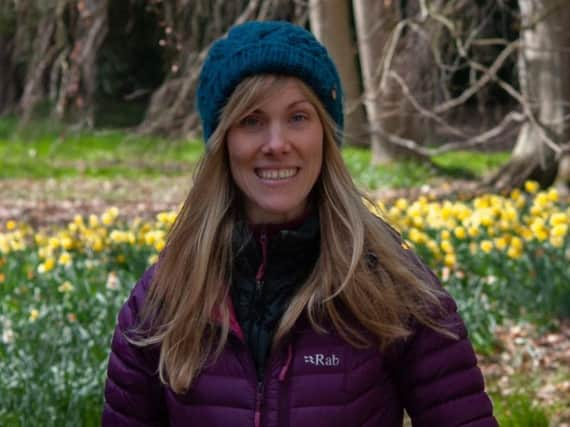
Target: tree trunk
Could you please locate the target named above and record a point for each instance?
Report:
(79, 78)
(8, 81)
(544, 61)
(44, 52)
(386, 107)
(331, 24)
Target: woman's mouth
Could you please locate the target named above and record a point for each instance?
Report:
(276, 174)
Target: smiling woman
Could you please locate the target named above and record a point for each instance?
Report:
(280, 299)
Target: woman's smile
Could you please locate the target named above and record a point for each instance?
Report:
(276, 174)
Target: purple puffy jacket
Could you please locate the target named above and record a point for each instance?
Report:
(311, 380)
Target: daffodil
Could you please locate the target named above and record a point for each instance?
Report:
(559, 218)
(473, 231)
(97, 245)
(531, 187)
(557, 241)
(66, 242)
(446, 246)
(486, 246)
(559, 230)
(53, 243)
(65, 259)
(539, 229)
(402, 204)
(93, 221)
(418, 221)
(65, 287)
(514, 253)
(433, 247)
(515, 194)
(487, 219)
(168, 218)
(47, 266)
(107, 218)
(152, 259)
(500, 243)
(450, 260)
(394, 213)
(417, 236)
(516, 243)
(542, 201)
(553, 195)
(460, 233)
(78, 221)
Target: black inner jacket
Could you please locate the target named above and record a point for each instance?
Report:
(265, 279)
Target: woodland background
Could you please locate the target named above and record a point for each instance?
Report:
(421, 76)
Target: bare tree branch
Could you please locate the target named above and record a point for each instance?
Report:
(487, 77)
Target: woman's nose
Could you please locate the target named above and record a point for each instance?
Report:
(277, 140)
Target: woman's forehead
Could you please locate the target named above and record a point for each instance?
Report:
(281, 90)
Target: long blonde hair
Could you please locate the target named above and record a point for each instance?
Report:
(361, 267)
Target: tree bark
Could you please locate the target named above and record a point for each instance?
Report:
(544, 61)
(79, 78)
(44, 52)
(388, 111)
(8, 79)
(331, 24)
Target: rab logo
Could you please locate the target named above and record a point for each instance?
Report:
(320, 359)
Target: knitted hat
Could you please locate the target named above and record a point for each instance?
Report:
(260, 47)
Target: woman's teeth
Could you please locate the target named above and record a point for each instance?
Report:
(276, 173)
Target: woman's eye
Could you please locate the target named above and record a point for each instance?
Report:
(250, 121)
(299, 117)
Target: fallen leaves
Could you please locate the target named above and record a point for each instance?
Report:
(534, 363)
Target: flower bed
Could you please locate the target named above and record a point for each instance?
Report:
(502, 257)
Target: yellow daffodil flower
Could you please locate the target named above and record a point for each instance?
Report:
(531, 187)
(65, 287)
(34, 314)
(486, 246)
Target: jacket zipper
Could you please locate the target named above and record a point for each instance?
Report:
(258, 293)
(261, 271)
(260, 276)
(258, 402)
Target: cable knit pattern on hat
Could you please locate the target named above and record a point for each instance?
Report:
(269, 47)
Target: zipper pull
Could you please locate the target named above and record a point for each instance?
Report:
(261, 271)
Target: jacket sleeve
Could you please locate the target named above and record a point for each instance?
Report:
(439, 380)
(133, 392)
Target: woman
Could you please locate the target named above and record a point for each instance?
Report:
(280, 300)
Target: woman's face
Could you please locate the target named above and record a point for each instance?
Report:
(275, 154)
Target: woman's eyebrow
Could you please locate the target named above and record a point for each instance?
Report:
(260, 110)
(300, 101)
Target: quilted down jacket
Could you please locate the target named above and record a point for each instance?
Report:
(311, 379)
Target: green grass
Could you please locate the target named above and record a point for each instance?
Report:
(453, 165)
(472, 163)
(46, 149)
(519, 411)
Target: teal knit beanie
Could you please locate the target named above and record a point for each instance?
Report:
(266, 47)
